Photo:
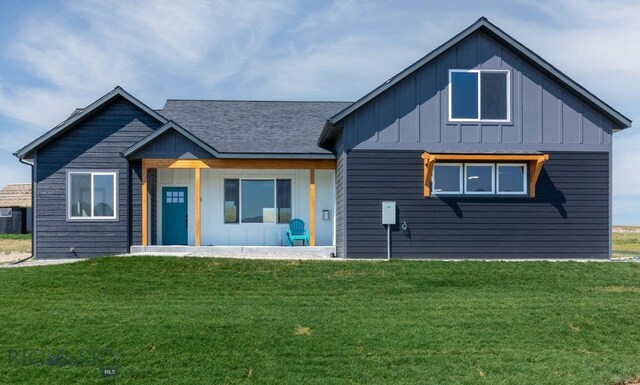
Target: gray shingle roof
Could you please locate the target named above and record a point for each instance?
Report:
(269, 127)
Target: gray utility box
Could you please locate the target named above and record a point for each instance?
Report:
(388, 213)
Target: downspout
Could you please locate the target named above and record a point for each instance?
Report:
(33, 211)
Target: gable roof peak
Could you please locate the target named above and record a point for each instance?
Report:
(503, 38)
(81, 114)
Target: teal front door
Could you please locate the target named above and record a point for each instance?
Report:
(175, 220)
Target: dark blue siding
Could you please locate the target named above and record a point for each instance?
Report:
(569, 217)
(172, 145)
(95, 144)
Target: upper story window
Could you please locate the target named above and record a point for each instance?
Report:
(479, 95)
(91, 195)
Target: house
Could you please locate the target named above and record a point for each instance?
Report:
(487, 149)
(15, 209)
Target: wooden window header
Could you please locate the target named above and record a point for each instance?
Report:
(535, 162)
(321, 164)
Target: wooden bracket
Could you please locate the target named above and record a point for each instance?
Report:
(429, 162)
(535, 167)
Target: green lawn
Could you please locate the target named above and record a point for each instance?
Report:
(196, 321)
(15, 236)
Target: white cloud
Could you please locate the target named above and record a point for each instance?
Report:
(138, 45)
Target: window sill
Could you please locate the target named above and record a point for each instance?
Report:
(479, 196)
(91, 220)
(480, 122)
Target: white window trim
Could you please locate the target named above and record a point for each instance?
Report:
(493, 179)
(524, 179)
(460, 173)
(479, 119)
(93, 217)
(275, 200)
(10, 212)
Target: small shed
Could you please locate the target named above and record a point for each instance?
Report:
(15, 209)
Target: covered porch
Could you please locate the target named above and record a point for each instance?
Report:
(229, 206)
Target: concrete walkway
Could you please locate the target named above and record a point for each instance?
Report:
(265, 256)
(42, 262)
(248, 252)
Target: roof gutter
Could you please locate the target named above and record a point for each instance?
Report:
(33, 212)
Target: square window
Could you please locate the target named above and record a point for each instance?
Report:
(479, 95)
(447, 178)
(512, 178)
(91, 195)
(479, 178)
(6, 212)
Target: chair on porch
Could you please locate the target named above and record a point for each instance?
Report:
(297, 232)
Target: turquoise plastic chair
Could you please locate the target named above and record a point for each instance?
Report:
(297, 232)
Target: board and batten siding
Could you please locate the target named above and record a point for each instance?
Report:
(95, 144)
(568, 218)
(414, 113)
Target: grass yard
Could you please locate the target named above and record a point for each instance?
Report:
(200, 320)
(626, 241)
(15, 243)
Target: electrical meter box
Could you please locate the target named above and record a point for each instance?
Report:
(388, 213)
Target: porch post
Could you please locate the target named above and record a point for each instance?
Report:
(312, 207)
(197, 201)
(145, 206)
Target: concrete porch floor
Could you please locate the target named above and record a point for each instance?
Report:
(268, 252)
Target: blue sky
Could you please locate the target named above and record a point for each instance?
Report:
(58, 55)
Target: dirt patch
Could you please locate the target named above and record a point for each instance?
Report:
(356, 273)
(630, 381)
(619, 289)
(9, 246)
(13, 257)
(302, 331)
